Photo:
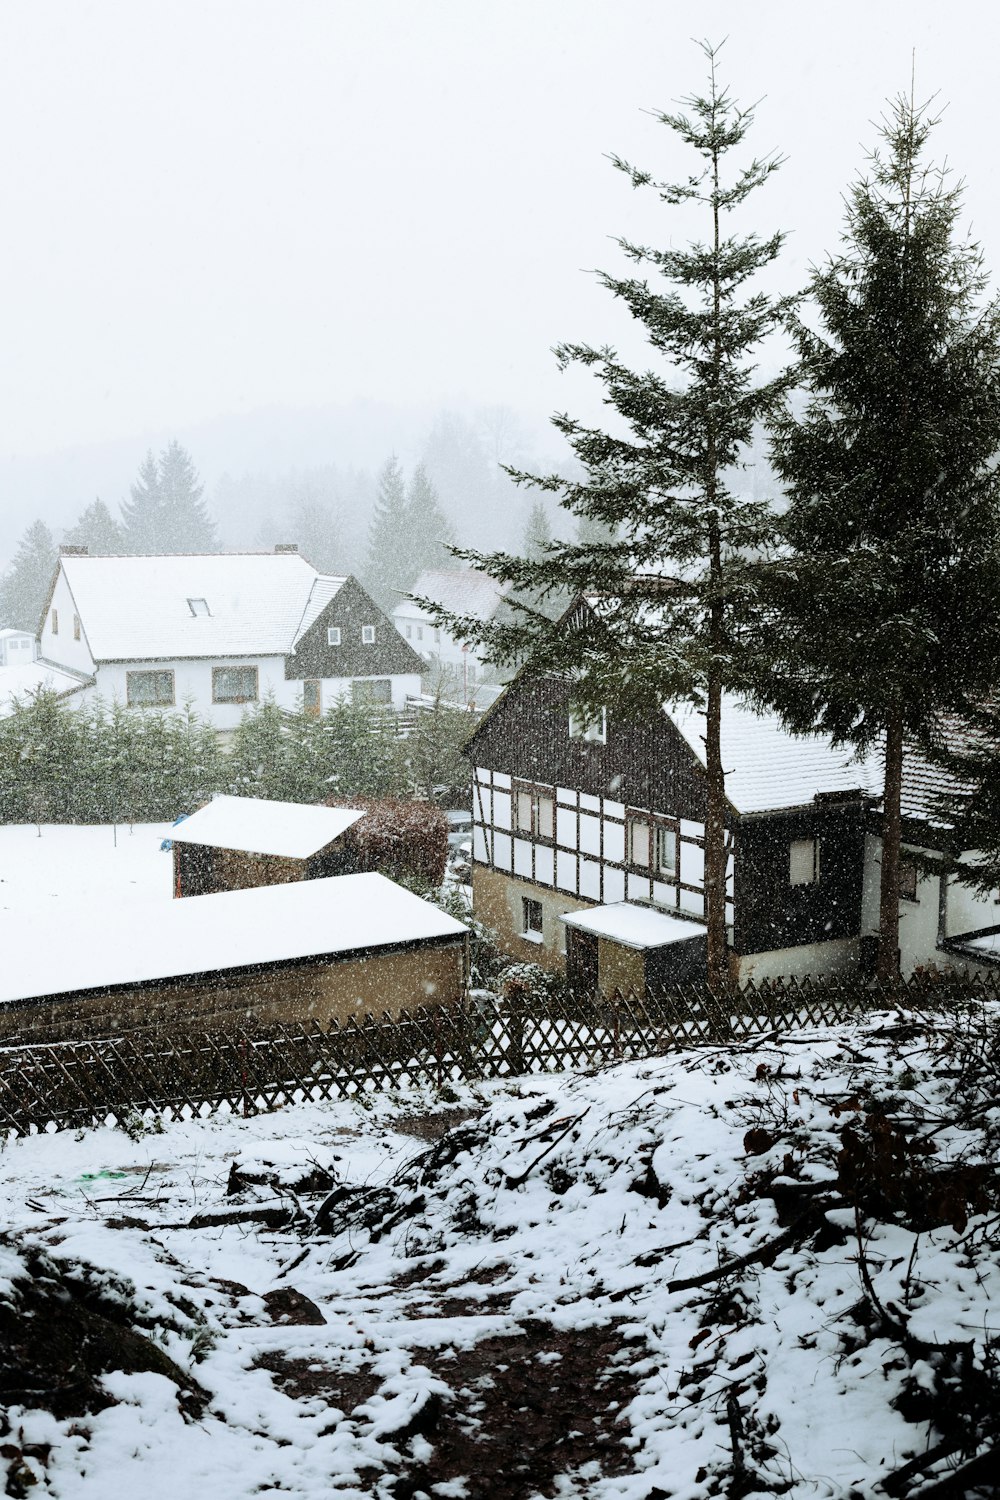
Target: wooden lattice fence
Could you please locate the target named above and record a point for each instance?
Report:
(181, 1074)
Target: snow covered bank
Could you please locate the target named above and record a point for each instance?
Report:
(732, 1271)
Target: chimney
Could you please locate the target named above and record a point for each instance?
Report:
(66, 550)
(286, 546)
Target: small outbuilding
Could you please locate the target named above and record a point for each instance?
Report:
(631, 947)
(236, 843)
(311, 951)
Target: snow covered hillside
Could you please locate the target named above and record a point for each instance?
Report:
(734, 1271)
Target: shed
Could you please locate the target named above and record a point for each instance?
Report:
(628, 946)
(313, 951)
(235, 843)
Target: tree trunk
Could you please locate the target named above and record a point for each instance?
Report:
(715, 844)
(887, 968)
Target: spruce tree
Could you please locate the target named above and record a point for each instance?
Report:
(142, 523)
(97, 530)
(429, 533)
(387, 574)
(187, 526)
(675, 583)
(166, 512)
(24, 587)
(885, 612)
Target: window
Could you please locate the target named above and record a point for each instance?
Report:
(76, 627)
(803, 862)
(199, 607)
(371, 691)
(593, 727)
(312, 698)
(409, 632)
(907, 880)
(234, 684)
(333, 635)
(55, 622)
(149, 689)
(535, 812)
(368, 635)
(532, 916)
(420, 632)
(652, 846)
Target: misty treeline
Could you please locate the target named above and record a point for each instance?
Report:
(384, 525)
(105, 763)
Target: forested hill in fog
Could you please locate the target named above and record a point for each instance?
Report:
(261, 467)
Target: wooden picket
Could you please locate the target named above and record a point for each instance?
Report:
(180, 1074)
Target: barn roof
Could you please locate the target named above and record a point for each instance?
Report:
(198, 605)
(257, 825)
(634, 926)
(165, 940)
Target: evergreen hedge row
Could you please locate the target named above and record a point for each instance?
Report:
(104, 763)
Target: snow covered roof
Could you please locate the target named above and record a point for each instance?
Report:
(148, 608)
(462, 591)
(257, 825)
(769, 768)
(9, 631)
(323, 590)
(23, 681)
(634, 926)
(84, 949)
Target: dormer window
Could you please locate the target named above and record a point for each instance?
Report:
(199, 607)
(368, 635)
(333, 635)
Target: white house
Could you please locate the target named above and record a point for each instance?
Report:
(222, 632)
(462, 592)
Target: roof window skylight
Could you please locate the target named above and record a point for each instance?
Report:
(199, 607)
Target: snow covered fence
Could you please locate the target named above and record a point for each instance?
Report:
(180, 1074)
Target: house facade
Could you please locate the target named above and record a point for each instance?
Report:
(222, 632)
(464, 592)
(18, 648)
(606, 817)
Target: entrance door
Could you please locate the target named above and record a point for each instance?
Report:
(581, 961)
(312, 698)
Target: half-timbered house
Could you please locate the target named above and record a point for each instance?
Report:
(607, 819)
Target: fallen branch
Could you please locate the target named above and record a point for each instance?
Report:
(523, 1176)
(762, 1255)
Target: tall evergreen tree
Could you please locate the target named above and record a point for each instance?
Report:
(25, 586)
(166, 512)
(387, 573)
(142, 523)
(675, 584)
(187, 526)
(97, 530)
(885, 613)
(429, 533)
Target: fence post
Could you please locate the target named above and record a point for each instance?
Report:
(243, 1075)
(515, 1033)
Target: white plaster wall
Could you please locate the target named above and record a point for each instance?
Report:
(837, 957)
(62, 648)
(193, 682)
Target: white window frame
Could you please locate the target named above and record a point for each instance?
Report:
(534, 812)
(333, 635)
(593, 728)
(533, 934)
(368, 635)
(804, 862)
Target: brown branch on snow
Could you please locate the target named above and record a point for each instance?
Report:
(762, 1255)
(517, 1180)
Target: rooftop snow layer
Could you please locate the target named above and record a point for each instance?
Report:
(767, 767)
(137, 609)
(256, 825)
(22, 682)
(81, 948)
(323, 590)
(634, 926)
(462, 591)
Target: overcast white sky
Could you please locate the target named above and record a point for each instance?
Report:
(215, 206)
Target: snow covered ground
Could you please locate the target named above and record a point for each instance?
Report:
(521, 1296)
(83, 863)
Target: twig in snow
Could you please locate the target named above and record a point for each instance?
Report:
(523, 1176)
